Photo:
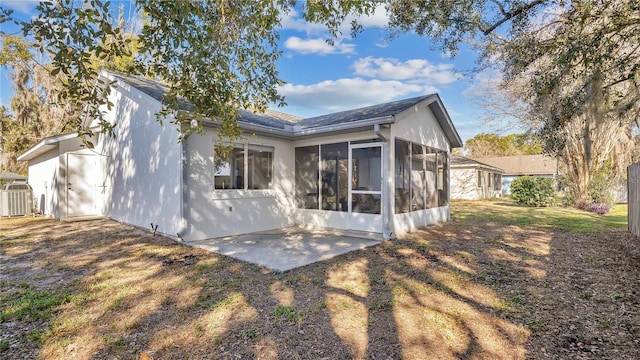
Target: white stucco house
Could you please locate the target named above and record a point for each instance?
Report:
(523, 165)
(383, 169)
(474, 180)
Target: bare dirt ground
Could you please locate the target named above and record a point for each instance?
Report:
(467, 289)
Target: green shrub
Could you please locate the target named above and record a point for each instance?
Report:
(600, 189)
(534, 191)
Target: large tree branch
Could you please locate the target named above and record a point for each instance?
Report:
(500, 7)
(511, 14)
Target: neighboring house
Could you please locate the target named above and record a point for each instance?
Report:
(474, 180)
(381, 169)
(521, 165)
(7, 176)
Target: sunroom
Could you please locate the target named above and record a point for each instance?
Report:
(388, 180)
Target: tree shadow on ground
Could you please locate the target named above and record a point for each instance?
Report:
(450, 291)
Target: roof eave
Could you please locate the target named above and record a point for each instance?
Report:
(349, 126)
(266, 130)
(43, 146)
(443, 118)
(294, 133)
(477, 166)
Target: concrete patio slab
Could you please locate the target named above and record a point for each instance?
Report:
(289, 248)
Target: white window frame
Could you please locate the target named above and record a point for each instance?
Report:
(245, 176)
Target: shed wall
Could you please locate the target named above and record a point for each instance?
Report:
(65, 204)
(43, 178)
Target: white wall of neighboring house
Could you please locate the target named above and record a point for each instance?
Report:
(420, 126)
(222, 212)
(142, 177)
(506, 183)
(464, 184)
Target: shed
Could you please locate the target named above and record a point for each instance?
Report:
(382, 169)
(474, 180)
(65, 177)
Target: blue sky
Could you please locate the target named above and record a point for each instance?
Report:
(367, 70)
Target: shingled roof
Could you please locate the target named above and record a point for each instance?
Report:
(157, 89)
(523, 164)
(368, 112)
(7, 175)
(282, 124)
(458, 161)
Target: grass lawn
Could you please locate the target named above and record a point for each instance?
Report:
(506, 212)
(497, 282)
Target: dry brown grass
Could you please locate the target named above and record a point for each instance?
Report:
(470, 289)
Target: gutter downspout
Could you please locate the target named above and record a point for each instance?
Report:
(387, 234)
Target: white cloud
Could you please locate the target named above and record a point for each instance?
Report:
(349, 93)
(375, 81)
(317, 34)
(379, 18)
(318, 46)
(413, 69)
(292, 20)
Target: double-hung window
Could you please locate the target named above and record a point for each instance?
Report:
(243, 166)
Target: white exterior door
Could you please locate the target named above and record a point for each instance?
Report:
(82, 173)
(366, 187)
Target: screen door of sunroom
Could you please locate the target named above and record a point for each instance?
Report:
(365, 187)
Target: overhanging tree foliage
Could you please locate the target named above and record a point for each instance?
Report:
(32, 116)
(508, 145)
(219, 55)
(582, 71)
(215, 56)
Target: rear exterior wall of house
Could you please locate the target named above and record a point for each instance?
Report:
(238, 188)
